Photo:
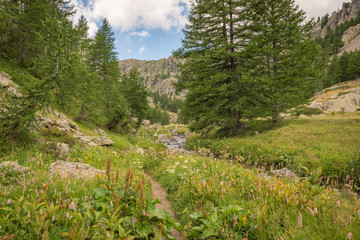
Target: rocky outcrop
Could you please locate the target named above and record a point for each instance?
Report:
(55, 119)
(351, 39)
(74, 169)
(8, 85)
(348, 12)
(159, 75)
(14, 165)
(339, 98)
(162, 138)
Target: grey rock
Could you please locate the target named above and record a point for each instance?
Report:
(62, 149)
(14, 165)
(103, 141)
(74, 169)
(162, 138)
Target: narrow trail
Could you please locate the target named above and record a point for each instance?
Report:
(160, 193)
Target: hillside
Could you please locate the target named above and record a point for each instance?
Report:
(159, 75)
(345, 16)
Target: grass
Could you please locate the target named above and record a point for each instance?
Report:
(35, 205)
(331, 144)
(220, 199)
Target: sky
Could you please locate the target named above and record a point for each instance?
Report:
(152, 29)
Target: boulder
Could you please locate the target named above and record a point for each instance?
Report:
(7, 84)
(74, 169)
(103, 141)
(162, 138)
(284, 172)
(14, 165)
(146, 124)
(62, 149)
(101, 132)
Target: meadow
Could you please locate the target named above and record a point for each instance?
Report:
(327, 146)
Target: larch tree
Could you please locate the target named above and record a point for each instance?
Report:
(282, 59)
(214, 37)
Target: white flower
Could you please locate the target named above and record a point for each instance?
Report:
(177, 163)
(184, 166)
(171, 170)
(186, 161)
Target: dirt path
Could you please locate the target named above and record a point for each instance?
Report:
(160, 193)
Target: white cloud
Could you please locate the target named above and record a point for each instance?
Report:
(127, 15)
(142, 49)
(141, 34)
(319, 8)
(129, 51)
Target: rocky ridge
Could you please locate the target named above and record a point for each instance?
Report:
(350, 10)
(159, 75)
(344, 97)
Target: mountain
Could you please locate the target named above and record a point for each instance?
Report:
(158, 75)
(344, 23)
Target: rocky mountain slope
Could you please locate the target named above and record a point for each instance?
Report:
(343, 97)
(159, 75)
(351, 37)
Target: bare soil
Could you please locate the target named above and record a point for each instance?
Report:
(160, 193)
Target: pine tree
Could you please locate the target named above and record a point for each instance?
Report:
(135, 94)
(214, 36)
(281, 56)
(104, 60)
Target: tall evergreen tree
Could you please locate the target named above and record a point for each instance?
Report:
(104, 60)
(135, 94)
(217, 94)
(282, 59)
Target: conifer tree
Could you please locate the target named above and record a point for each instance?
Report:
(212, 73)
(282, 59)
(135, 94)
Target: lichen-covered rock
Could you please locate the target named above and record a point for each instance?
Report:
(62, 149)
(103, 141)
(7, 84)
(162, 138)
(14, 165)
(346, 101)
(74, 169)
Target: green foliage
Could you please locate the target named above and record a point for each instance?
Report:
(236, 71)
(219, 199)
(156, 115)
(329, 144)
(344, 68)
(166, 103)
(303, 110)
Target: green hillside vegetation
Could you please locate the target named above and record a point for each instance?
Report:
(327, 147)
(240, 79)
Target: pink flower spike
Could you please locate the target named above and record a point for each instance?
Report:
(315, 210)
(350, 236)
(300, 221)
(338, 203)
(41, 212)
(28, 214)
(108, 234)
(53, 218)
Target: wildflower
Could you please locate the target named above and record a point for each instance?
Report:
(177, 163)
(300, 221)
(350, 236)
(5, 192)
(311, 211)
(111, 204)
(338, 203)
(204, 183)
(9, 201)
(41, 212)
(67, 214)
(235, 220)
(108, 234)
(315, 210)
(28, 214)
